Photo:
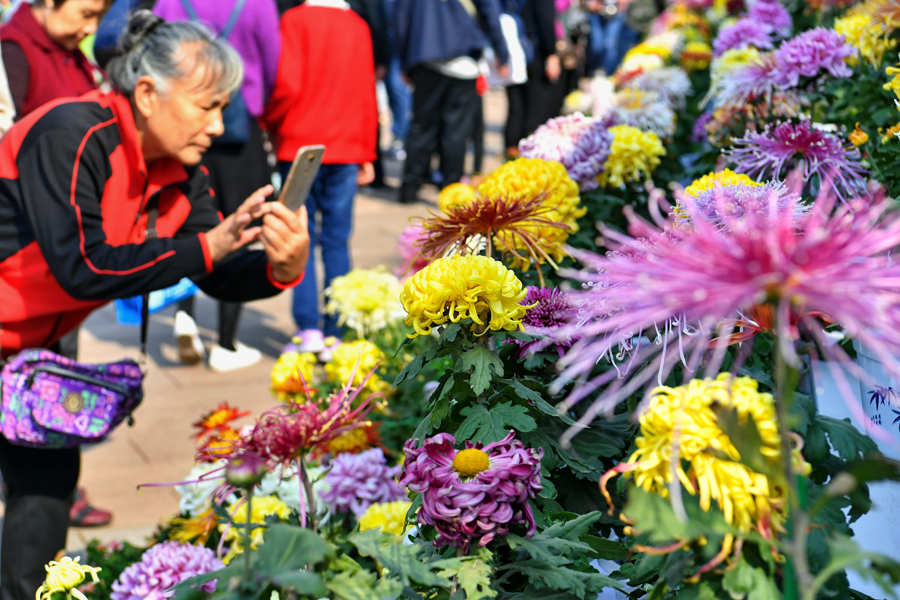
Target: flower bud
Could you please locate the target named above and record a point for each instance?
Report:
(245, 470)
(858, 137)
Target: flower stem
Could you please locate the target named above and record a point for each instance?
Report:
(797, 574)
(248, 532)
(308, 488)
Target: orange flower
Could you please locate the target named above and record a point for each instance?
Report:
(218, 420)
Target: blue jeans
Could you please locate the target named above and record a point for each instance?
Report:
(330, 203)
(399, 98)
(608, 42)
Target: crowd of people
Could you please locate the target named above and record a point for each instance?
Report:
(140, 140)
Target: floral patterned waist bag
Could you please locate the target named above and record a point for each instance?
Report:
(50, 401)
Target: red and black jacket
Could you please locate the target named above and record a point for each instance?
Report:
(73, 194)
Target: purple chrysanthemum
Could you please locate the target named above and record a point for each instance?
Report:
(161, 568)
(743, 34)
(726, 203)
(817, 155)
(807, 53)
(691, 290)
(580, 143)
(772, 13)
(356, 481)
(551, 312)
(699, 133)
(476, 494)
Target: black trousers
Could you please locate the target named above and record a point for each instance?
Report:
(531, 104)
(443, 119)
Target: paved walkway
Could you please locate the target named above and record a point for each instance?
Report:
(159, 448)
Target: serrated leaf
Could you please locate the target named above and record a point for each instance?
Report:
(847, 440)
(539, 403)
(359, 585)
(845, 554)
(483, 425)
(450, 331)
(301, 582)
(549, 549)
(479, 360)
(748, 582)
(400, 559)
(606, 549)
(473, 574)
(186, 590)
(413, 368)
(574, 529)
(286, 548)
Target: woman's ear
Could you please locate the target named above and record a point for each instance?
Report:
(146, 96)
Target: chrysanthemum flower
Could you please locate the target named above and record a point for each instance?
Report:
(454, 195)
(858, 136)
(262, 507)
(195, 492)
(389, 517)
(859, 30)
(736, 197)
(292, 374)
(550, 310)
(773, 14)
(577, 101)
(696, 56)
(682, 286)
(409, 247)
(194, 529)
(745, 33)
(365, 300)
(463, 287)
(723, 177)
(356, 481)
(671, 83)
(784, 147)
(755, 81)
(731, 59)
(350, 362)
(218, 419)
(807, 53)
(473, 495)
(645, 110)
(161, 568)
(634, 156)
(352, 442)
(64, 576)
(633, 64)
(581, 144)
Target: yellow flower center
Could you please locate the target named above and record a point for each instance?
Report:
(471, 462)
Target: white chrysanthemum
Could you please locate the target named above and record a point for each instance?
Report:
(195, 496)
(287, 488)
(641, 62)
(602, 91)
(365, 300)
(671, 83)
(645, 110)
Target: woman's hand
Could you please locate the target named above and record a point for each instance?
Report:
(232, 233)
(366, 174)
(285, 236)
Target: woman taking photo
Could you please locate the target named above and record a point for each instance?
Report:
(77, 179)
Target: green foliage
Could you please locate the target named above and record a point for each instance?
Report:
(112, 560)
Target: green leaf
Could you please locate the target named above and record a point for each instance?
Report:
(699, 591)
(542, 405)
(400, 559)
(533, 593)
(287, 548)
(474, 575)
(847, 440)
(606, 549)
(302, 582)
(359, 585)
(449, 332)
(846, 554)
(228, 579)
(574, 529)
(479, 360)
(413, 368)
(747, 441)
(745, 581)
(549, 549)
(483, 425)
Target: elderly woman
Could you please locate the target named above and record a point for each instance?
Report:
(77, 181)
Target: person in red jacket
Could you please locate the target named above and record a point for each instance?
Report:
(325, 94)
(40, 51)
(79, 179)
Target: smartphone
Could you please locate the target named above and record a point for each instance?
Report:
(300, 178)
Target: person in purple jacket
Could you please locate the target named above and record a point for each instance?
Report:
(236, 167)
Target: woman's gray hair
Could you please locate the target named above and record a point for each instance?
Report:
(152, 47)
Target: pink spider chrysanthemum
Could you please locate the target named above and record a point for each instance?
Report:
(772, 13)
(675, 293)
(817, 155)
(744, 33)
(806, 54)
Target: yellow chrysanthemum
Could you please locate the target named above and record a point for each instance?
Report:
(366, 300)
(633, 156)
(695, 56)
(640, 62)
(894, 84)
(455, 194)
(891, 132)
(464, 287)
(858, 137)
(527, 178)
(859, 30)
(747, 499)
(263, 506)
(649, 47)
(389, 517)
(344, 360)
(64, 576)
(726, 177)
(193, 530)
(730, 59)
(292, 374)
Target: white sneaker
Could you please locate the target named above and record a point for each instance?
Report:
(222, 360)
(190, 346)
(327, 353)
(311, 340)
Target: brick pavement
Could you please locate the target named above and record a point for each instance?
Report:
(159, 447)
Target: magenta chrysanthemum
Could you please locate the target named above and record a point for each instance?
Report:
(580, 143)
(357, 481)
(688, 289)
(161, 568)
(817, 155)
(409, 249)
(476, 494)
(550, 311)
(807, 53)
(745, 33)
(772, 13)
